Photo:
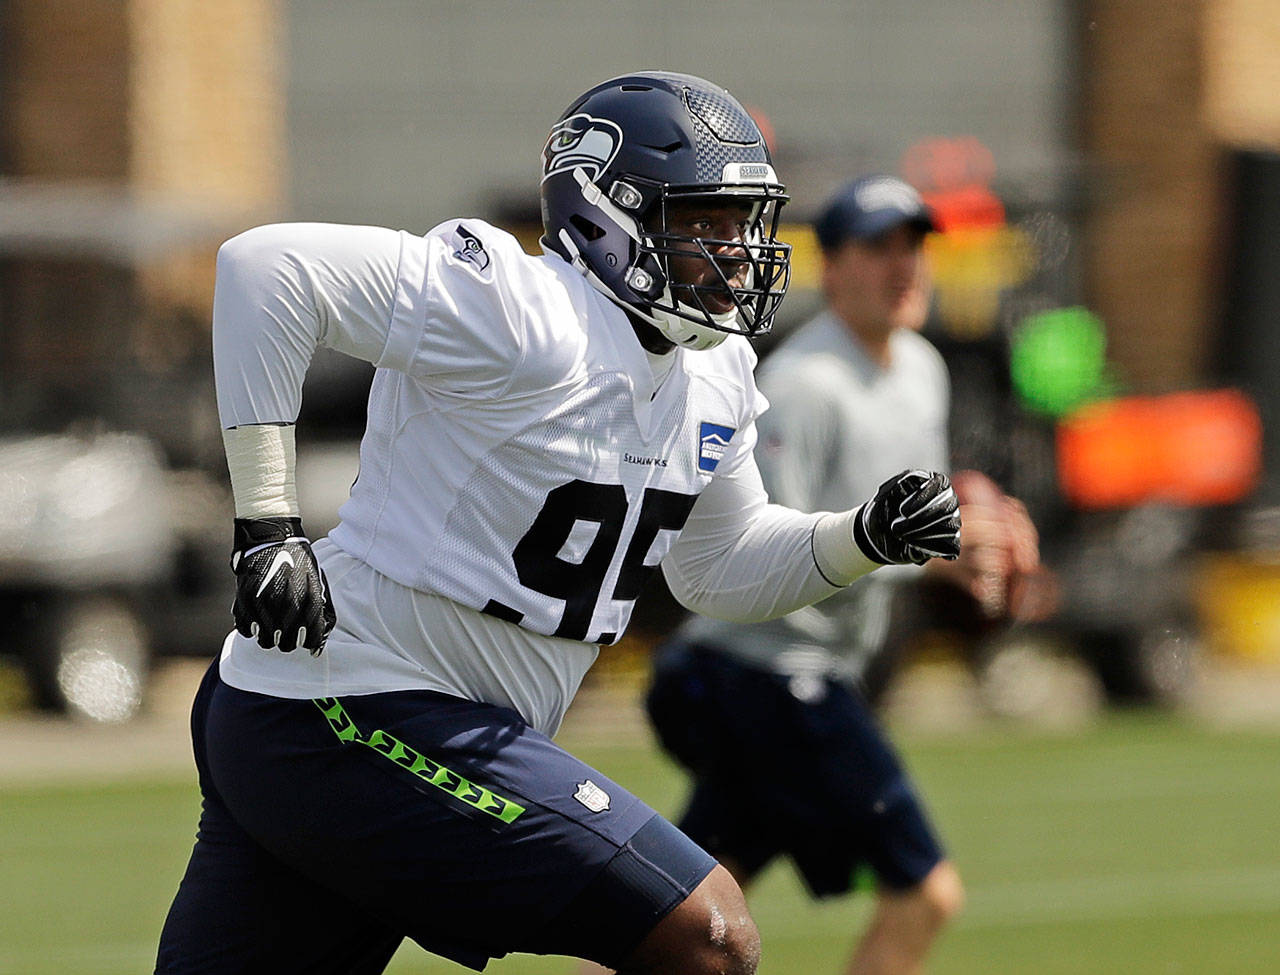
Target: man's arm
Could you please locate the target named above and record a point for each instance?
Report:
(282, 291)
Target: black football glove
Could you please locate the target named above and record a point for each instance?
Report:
(282, 596)
(914, 517)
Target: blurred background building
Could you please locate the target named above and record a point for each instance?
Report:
(1108, 176)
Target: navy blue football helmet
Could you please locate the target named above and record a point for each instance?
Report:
(616, 161)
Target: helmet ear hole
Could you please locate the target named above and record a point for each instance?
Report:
(589, 230)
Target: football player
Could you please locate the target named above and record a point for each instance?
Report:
(543, 432)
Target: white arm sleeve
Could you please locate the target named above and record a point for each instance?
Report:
(743, 559)
(284, 289)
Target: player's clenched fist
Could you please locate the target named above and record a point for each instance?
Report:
(282, 596)
(914, 517)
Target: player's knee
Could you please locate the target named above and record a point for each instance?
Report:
(721, 945)
(735, 949)
(942, 893)
(731, 946)
(724, 939)
(711, 933)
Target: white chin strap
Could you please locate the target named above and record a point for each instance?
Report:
(691, 335)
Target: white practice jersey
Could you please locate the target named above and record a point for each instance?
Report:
(521, 474)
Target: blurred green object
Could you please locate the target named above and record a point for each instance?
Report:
(1058, 360)
(1142, 844)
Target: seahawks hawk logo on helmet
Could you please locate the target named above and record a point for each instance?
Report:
(581, 140)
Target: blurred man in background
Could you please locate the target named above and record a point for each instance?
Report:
(768, 717)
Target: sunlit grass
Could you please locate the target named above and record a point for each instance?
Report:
(1145, 844)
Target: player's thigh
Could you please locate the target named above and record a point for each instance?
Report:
(238, 909)
(859, 804)
(720, 718)
(453, 821)
(736, 824)
(734, 727)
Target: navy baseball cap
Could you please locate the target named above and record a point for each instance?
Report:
(868, 207)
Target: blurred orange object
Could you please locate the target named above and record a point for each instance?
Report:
(965, 208)
(1195, 448)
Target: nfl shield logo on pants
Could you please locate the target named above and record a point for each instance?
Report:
(592, 796)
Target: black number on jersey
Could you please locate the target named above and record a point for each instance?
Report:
(537, 555)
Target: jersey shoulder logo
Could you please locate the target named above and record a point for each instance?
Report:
(713, 441)
(471, 249)
(592, 796)
(581, 140)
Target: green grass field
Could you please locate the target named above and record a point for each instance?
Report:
(1145, 844)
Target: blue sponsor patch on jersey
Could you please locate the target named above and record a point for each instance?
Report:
(713, 441)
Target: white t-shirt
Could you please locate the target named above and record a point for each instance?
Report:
(521, 473)
(840, 424)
